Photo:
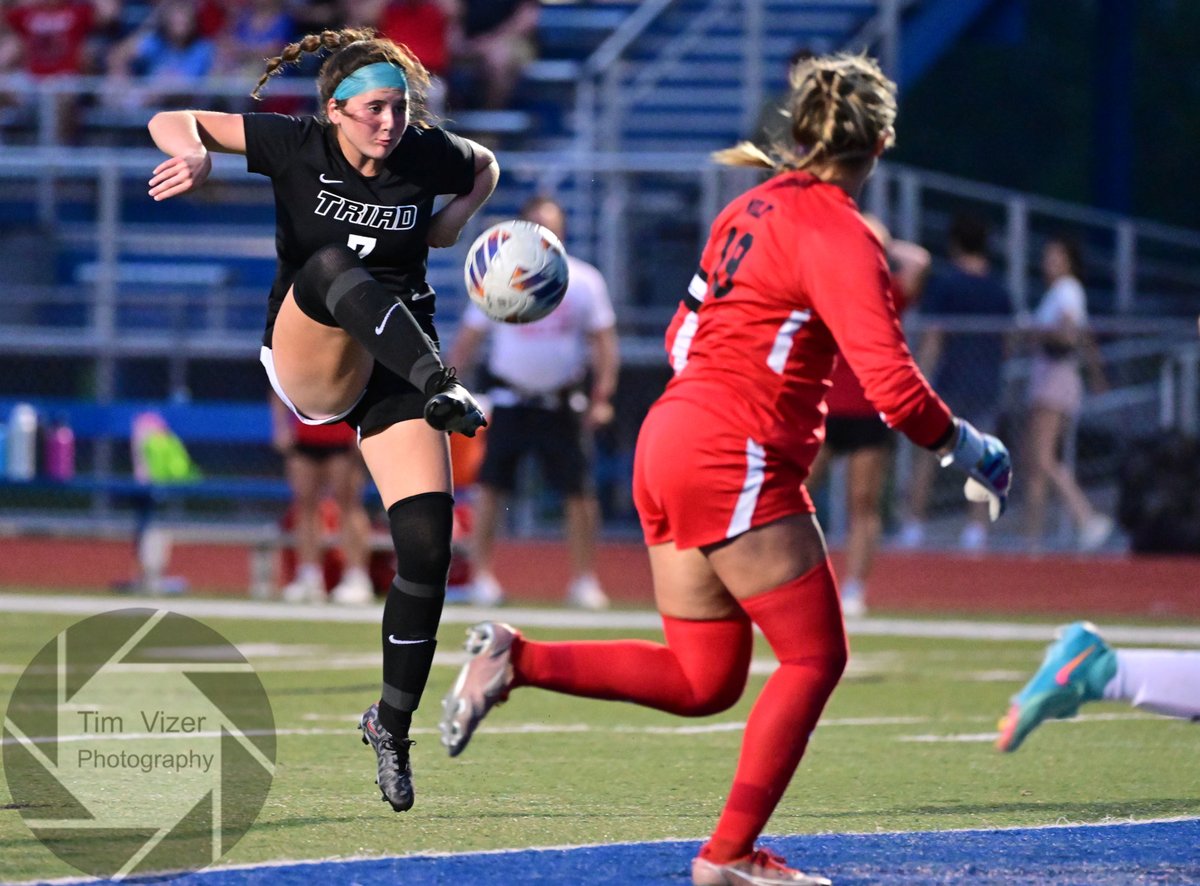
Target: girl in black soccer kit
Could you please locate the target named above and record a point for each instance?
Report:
(349, 334)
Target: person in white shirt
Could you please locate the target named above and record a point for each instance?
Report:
(1056, 395)
(537, 378)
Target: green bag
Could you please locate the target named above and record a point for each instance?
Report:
(159, 456)
(167, 460)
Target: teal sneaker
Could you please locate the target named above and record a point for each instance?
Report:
(1076, 669)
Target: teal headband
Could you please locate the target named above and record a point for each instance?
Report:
(377, 76)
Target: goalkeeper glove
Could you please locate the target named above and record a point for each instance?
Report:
(985, 461)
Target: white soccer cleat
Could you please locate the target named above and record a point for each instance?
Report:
(762, 867)
(482, 683)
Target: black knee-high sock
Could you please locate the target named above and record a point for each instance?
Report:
(421, 527)
(334, 288)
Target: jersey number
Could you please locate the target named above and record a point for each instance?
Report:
(361, 245)
(731, 259)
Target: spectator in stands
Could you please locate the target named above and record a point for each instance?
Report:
(541, 406)
(854, 429)
(349, 333)
(314, 16)
(424, 27)
(1081, 667)
(495, 39)
(212, 16)
(55, 34)
(56, 38)
(966, 367)
(170, 50)
(421, 25)
(256, 32)
(321, 460)
(1060, 333)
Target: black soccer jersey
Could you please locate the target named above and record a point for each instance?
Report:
(320, 199)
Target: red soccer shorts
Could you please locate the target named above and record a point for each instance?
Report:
(698, 479)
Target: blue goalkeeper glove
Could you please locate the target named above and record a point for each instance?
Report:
(985, 461)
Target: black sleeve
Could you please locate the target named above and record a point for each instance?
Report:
(448, 160)
(272, 140)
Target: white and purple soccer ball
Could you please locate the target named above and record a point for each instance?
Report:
(516, 271)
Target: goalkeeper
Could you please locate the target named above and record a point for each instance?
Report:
(791, 274)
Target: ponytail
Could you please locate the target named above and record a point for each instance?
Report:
(324, 41)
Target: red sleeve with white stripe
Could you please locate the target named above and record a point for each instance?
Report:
(849, 291)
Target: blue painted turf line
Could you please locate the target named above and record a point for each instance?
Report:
(1109, 855)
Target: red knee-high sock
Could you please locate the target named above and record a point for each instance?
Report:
(802, 620)
(702, 669)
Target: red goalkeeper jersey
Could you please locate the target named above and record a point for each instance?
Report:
(790, 275)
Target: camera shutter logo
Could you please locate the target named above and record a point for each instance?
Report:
(139, 741)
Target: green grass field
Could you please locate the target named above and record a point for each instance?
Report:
(904, 745)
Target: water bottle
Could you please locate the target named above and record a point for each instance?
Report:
(22, 442)
(59, 450)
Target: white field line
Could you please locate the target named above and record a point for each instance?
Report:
(270, 610)
(350, 721)
(326, 660)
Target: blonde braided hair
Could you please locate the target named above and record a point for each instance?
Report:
(840, 106)
(351, 49)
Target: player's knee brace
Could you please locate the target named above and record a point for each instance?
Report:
(324, 278)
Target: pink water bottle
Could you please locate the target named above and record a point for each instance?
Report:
(59, 453)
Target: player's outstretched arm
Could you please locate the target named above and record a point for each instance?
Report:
(187, 137)
(448, 222)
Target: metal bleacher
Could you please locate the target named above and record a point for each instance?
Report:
(114, 297)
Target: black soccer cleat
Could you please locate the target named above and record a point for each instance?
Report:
(451, 407)
(394, 773)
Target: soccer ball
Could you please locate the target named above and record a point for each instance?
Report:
(516, 271)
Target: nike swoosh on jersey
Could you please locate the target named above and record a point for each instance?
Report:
(392, 639)
(1064, 673)
(329, 181)
(383, 322)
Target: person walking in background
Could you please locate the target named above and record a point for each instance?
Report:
(350, 333)
(541, 406)
(323, 460)
(1061, 336)
(1081, 667)
(854, 429)
(966, 367)
(790, 275)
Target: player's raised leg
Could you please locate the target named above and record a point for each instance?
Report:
(334, 288)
